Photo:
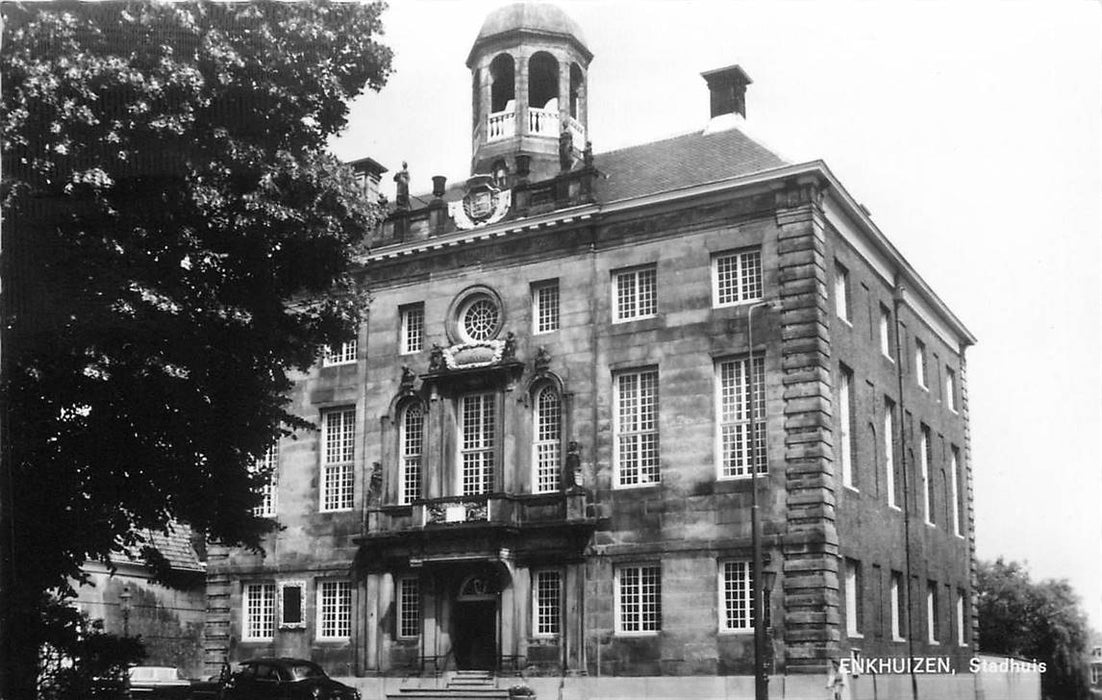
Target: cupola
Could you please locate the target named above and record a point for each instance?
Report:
(529, 103)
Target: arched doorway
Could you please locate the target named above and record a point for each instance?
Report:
(475, 623)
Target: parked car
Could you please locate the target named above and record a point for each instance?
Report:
(284, 679)
(157, 683)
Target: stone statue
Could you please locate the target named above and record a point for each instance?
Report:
(572, 472)
(436, 358)
(407, 377)
(543, 359)
(587, 154)
(402, 178)
(566, 150)
(509, 352)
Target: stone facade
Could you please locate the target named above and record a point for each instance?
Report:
(605, 564)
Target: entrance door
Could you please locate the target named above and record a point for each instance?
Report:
(475, 634)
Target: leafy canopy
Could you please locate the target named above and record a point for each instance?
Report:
(1034, 620)
(176, 240)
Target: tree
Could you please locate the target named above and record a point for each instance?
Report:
(1037, 621)
(176, 240)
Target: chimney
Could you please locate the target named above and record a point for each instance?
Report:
(368, 175)
(439, 185)
(728, 90)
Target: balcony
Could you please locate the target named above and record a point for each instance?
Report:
(465, 527)
(543, 122)
(577, 132)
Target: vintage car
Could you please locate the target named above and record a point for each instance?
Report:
(157, 683)
(284, 679)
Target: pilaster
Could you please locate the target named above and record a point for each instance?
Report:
(810, 541)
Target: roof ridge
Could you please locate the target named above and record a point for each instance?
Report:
(674, 137)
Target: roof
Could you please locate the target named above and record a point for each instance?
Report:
(531, 16)
(176, 547)
(673, 163)
(682, 161)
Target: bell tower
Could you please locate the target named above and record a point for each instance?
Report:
(528, 87)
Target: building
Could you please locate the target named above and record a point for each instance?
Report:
(536, 455)
(168, 618)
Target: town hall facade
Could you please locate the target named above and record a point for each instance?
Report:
(536, 456)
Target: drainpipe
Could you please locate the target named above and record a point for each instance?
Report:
(897, 304)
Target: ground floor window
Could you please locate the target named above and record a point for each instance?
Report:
(638, 599)
(334, 610)
(259, 607)
(409, 607)
(547, 603)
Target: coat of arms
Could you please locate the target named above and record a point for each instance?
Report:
(483, 204)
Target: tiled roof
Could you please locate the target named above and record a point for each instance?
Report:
(691, 159)
(175, 546)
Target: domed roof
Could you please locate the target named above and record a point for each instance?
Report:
(530, 16)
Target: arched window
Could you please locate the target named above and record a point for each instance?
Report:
(547, 445)
(411, 438)
(502, 82)
(543, 80)
(577, 91)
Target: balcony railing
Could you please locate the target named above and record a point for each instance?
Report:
(577, 131)
(501, 125)
(487, 509)
(543, 122)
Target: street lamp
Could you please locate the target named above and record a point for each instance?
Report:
(758, 574)
(124, 607)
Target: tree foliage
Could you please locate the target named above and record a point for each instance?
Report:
(176, 240)
(1035, 620)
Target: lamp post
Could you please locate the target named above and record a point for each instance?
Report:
(757, 574)
(124, 607)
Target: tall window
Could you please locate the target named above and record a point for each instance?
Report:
(635, 294)
(925, 456)
(733, 398)
(638, 599)
(259, 608)
(954, 480)
(898, 611)
(412, 439)
(921, 364)
(547, 447)
(270, 463)
(933, 630)
(841, 292)
(338, 440)
(344, 355)
(736, 277)
(951, 389)
(854, 598)
(334, 610)
(889, 451)
(545, 306)
(636, 428)
(409, 607)
(477, 451)
(290, 604)
(886, 332)
(547, 603)
(413, 329)
(962, 637)
(845, 425)
(736, 596)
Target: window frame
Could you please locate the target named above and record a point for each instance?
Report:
(546, 301)
(847, 428)
(640, 417)
(951, 389)
(898, 611)
(745, 290)
(487, 444)
(269, 502)
(411, 456)
(540, 604)
(728, 623)
(854, 598)
(734, 401)
(843, 304)
(342, 611)
(547, 453)
(403, 606)
(925, 457)
(886, 333)
(337, 474)
(345, 356)
(266, 608)
(932, 620)
(955, 476)
(618, 589)
(639, 296)
(889, 452)
(411, 332)
(922, 365)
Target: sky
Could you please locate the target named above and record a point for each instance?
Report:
(972, 131)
